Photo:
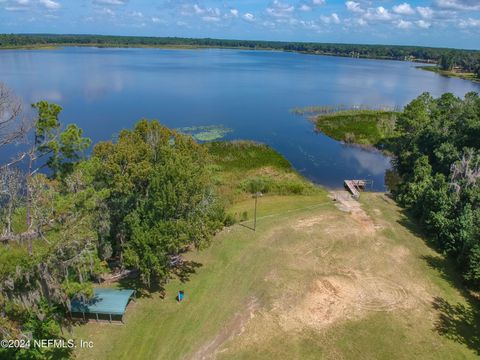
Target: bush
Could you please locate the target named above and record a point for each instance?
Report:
(229, 220)
(350, 138)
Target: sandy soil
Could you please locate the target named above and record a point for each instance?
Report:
(343, 285)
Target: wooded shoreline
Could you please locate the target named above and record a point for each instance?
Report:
(382, 52)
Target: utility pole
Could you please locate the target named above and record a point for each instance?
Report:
(256, 195)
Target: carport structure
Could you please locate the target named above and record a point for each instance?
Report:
(106, 304)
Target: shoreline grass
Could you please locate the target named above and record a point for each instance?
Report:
(242, 168)
(362, 127)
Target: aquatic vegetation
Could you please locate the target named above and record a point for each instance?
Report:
(332, 109)
(364, 127)
(358, 124)
(206, 133)
(245, 167)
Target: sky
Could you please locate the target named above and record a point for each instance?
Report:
(441, 23)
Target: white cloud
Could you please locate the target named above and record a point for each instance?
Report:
(249, 17)
(332, 19)
(403, 9)
(234, 12)
(458, 4)
(378, 14)
(361, 22)
(469, 23)
(18, 5)
(425, 12)
(207, 14)
(308, 5)
(198, 9)
(304, 7)
(423, 24)
(404, 24)
(335, 18)
(210, 18)
(106, 11)
(50, 4)
(137, 14)
(280, 10)
(354, 7)
(157, 20)
(109, 2)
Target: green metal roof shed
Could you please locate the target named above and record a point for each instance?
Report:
(104, 302)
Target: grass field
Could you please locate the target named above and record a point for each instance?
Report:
(312, 282)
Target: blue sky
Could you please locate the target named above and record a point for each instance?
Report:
(451, 23)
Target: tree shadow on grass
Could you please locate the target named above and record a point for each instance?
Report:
(186, 269)
(183, 271)
(141, 289)
(413, 226)
(459, 322)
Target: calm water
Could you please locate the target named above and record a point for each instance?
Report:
(105, 90)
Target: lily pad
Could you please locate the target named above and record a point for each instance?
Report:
(206, 133)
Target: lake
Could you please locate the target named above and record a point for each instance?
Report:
(251, 92)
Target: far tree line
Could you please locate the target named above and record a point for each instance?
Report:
(466, 60)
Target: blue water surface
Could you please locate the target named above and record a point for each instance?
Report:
(252, 92)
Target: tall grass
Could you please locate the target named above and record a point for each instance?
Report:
(331, 109)
(242, 168)
(364, 127)
(245, 155)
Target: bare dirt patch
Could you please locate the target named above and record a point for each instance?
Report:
(232, 329)
(310, 222)
(369, 293)
(339, 298)
(340, 281)
(345, 202)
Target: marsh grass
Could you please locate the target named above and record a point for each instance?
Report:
(242, 168)
(206, 133)
(364, 127)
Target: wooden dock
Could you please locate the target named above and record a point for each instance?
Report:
(355, 186)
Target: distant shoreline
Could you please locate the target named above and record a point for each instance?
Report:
(421, 54)
(203, 47)
(452, 74)
(415, 54)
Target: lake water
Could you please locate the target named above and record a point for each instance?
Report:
(251, 92)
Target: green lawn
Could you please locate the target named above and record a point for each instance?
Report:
(260, 294)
